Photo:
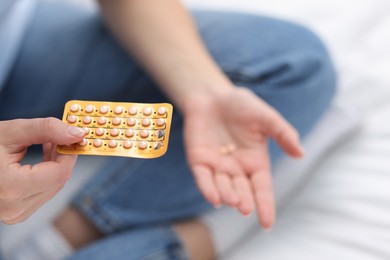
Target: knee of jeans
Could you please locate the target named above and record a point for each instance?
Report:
(310, 76)
(315, 58)
(317, 65)
(305, 69)
(257, 50)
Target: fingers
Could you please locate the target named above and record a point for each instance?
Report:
(48, 174)
(283, 133)
(34, 187)
(223, 188)
(49, 152)
(226, 189)
(233, 186)
(205, 182)
(230, 187)
(67, 160)
(244, 191)
(262, 186)
(25, 132)
(20, 182)
(53, 172)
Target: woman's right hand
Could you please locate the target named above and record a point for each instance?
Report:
(25, 188)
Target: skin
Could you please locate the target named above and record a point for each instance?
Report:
(25, 188)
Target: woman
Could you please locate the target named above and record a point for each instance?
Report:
(151, 51)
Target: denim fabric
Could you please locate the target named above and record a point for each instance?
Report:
(68, 54)
(14, 17)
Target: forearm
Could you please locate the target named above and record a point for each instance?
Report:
(162, 36)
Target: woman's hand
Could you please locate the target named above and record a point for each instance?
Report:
(226, 144)
(24, 188)
(225, 134)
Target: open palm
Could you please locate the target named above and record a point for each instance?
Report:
(226, 144)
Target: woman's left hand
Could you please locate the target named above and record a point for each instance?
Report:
(226, 145)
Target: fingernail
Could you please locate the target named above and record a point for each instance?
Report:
(76, 131)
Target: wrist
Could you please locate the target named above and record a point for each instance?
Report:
(193, 87)
(203, 91)
(206, 95)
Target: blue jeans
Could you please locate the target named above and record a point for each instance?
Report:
(68, 54)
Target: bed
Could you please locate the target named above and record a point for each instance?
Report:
(334, 204)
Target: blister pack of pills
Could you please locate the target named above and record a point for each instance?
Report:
(119, 129)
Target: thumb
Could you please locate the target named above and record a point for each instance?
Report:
(284, 134)
(25, 132)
